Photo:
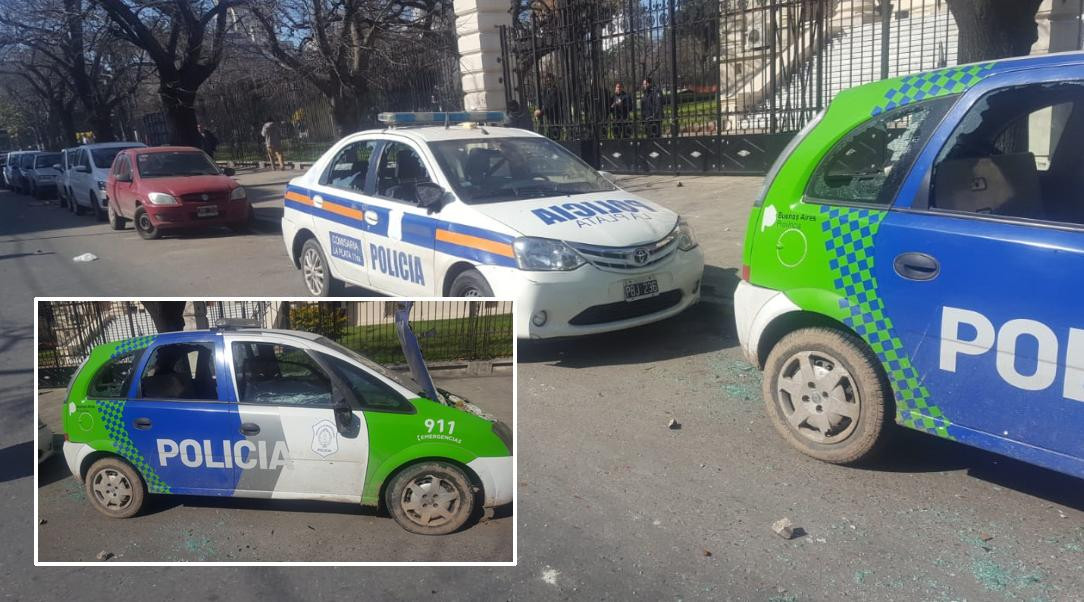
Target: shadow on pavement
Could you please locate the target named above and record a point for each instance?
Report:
(16, 461)
(162, 503)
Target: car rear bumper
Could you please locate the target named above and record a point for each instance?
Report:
(589, 300)
(755, 308)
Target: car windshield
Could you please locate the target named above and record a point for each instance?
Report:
(161, 165)
(47, 160)
(103, 157)
(491, 170)
(402, 379)
(26, 160)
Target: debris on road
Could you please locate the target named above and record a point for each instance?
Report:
(104, 555)
(985, 536)
(85, 258)
(786, 529)
(707, 553)
(674, 425)
(42, 521)
(549, 575)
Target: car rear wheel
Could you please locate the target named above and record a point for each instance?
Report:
(114, 488)
(97, 207)
(315, 271)
(825, 393)
(116, 222)
(144, 226)
(470, 283)
(432, 498)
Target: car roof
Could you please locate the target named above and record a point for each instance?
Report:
(122, 143)
(436, 133)
(142, 150)
(300, 334)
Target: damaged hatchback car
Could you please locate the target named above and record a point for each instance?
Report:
(283, 415)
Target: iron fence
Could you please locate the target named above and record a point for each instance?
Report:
(732, 80)
(446, 330)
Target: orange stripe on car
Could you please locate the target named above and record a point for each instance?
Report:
(297, 197)
(474, 242)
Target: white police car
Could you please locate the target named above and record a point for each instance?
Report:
(439, 205)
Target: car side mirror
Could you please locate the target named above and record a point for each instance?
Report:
(344, 416)
(429, 195)
(56, 166)
(124, 178)
(82, 169)
(229, 171)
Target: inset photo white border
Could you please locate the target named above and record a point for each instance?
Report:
(423, 540)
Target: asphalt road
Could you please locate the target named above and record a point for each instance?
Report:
(613, 504)
(191, 528)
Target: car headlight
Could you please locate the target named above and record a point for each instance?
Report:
(101, 184)
(545, 254)
(685, 237)
(238, 194)
(161, 198)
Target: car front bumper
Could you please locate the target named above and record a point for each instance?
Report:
(185, 216)
(496, 477)
(589, 300)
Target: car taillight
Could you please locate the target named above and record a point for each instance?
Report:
(745, 273)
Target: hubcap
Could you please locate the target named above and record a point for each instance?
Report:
(112, 489)
(430, 501)
(818, 397)
(472, 292)
(145, 223)
(312, 268)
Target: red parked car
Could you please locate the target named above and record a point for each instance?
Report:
(172, 187)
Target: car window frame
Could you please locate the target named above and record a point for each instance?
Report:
(905, 165)
(325, 173)
(337, 386)
(372, 183)
(126, 390)
(148, 353)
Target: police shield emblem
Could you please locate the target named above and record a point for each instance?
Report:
(325, 438)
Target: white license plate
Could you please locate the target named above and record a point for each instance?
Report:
(210, 211)
(641, 288)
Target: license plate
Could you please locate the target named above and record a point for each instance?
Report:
(641, 288)
(210, 211)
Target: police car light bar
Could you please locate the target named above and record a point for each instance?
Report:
(234, 323)
(442, 118)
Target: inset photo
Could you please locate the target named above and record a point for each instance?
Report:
(287, 431)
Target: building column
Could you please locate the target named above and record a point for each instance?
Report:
(477, 27)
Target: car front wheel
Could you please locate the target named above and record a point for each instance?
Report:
(432, 498)
(144, 226)
(470, 283)
(114, 488)
(827, 396)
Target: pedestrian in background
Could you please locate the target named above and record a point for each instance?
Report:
(518, 118)
(208, 140)
(651, 108)
(272, 140)
(620, 107)
(548, 114)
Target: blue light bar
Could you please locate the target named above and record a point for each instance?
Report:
(441, 118)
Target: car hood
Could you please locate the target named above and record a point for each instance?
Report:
(613, 219)
(413, 352)
(180, 185)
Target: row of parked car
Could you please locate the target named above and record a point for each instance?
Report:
(76, 176)
(156, 188)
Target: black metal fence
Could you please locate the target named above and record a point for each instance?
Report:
(446, 330)
(732, 80)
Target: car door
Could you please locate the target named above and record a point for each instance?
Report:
(980, 266)
(181, 417)
(340, 210)
(287, 408)
(122, 193)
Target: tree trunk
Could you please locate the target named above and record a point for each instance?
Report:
(346, 112)
(67, 128)
(168, 316)
(101, 121)
(179, 104)
(994, 29)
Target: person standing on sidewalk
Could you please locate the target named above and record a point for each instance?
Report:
(272, 140)
(651, 108)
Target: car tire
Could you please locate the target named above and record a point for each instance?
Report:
(316, 271)
(430, 498)
(62, 197)
(144, 226)
(116, 222)
(115, 488)
(99, 213)
(799, 403)
(75, 207)
(470, 283)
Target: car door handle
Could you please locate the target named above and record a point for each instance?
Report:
(250, 428)
(142, 423)
(916, 266)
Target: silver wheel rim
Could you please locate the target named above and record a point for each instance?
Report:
(145, 223)
(112, 489)
(430, 501)
(818, 397)
(312, 267)
(472, 292)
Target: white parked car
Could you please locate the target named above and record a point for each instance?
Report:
(88, 173)
(476, 210)
(43, 175)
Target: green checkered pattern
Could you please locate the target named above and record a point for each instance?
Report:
(136, 344)
(930, 84)
(850, 246)
(111, 414)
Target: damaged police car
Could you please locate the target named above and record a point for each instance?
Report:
(283, 415)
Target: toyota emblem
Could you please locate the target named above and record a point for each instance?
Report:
(204, 196)
(640, 256)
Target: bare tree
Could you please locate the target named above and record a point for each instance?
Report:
(994, 29)
(47, 85)
(185, 40)
(341, 47)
